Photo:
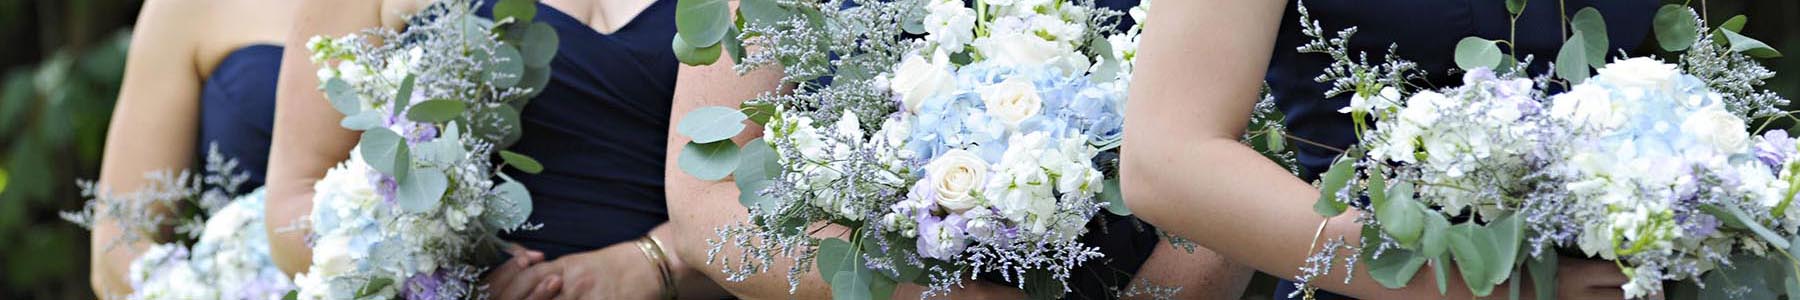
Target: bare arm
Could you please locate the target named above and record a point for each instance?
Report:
(152, 127)
(1200, 275)
(307, 139)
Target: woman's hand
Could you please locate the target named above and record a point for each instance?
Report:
(511, 281)
(619, 271)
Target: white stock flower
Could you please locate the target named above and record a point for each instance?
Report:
(1012, 101)
(1588, 106)
(1718, 128)
(950, 24)
(954, 176)
(918, 79)
(1013, 48)
(1023, 190)
(1642, 72)
(1387, 97)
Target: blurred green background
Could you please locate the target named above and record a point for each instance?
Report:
(62, 61)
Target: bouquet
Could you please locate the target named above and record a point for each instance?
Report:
(221, 250)
(952, 139)
(1647, 164)
(415, 211)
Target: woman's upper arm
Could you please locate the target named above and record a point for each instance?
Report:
(307, 140)
(691, 199)
(1200, 67)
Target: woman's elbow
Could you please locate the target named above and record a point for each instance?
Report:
(1138, 179)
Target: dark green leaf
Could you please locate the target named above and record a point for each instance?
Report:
(692, 56)
(1592, 28)
(1515, 7)
(1736, 23)
(511, 63)
(1474, 52)
(436, 111)
(539, 45)
(760, 113)
(702, 23)
(1747, 45)
(712, 124)
(733, 46)
(1735, 217)
(851, 286)
(1675, 27)
(387, 152)
(1746, 278)
(1543, 275)
(535, 78)
(1395, 268)
(1571, 61)
(422, 191)
(343, 97)
(1115, 198)
(291, 295)
(522, 11)
(709, 161)
(520, 161)
(1335, 180)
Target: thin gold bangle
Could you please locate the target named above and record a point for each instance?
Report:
(1309, 290)
(653, 250)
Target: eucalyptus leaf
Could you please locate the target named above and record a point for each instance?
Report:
(403, 95)
(1436, 239)
(1469, 249)
(756, 171)
(1592, 28)
(1675, 27)
(1395, 268)
(539, 46)
(851, 286)
(1735, 24)
(709, 161)
(712, 124)
(1335, 179)
(1515, 7)
(1543, 275)
(511, 63)
(362, 121)
(342, 97)
(509, 207)
(374, 286)
(1750, 46)
(442, 151)
(759, 113)
(1505, 236)
(520, 161)
(386, 151)
(535, 78)
(1735, 217)
(422, 191)
(1115, 198)
(694, 56)
(733, 46)
(1474, 52)
(1399, 215)
(1745, 278)
(763, 12)
(1571, 61)
(436, 111)
(521, 11)
(702, 23)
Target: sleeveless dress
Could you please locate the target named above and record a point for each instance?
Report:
(599, 128)
(1426, 32)
(237, 110)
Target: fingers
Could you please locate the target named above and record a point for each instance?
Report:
(549, 287)
(531, 256)
(528, 280)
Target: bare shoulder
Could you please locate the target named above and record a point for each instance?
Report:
(224, 26)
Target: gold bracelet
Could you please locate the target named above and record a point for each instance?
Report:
(653, 250)
(1309, 291)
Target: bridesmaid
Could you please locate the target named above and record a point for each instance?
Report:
(1258, 214)
(199, 73)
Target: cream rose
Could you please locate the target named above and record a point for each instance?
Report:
(954, 176)
(1017, 48)
(1012, 101)
(918, 79)
(1639, 72)
(1714, 126)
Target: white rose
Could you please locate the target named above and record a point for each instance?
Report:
(1016, 48)
(919, 79)
(1012, 101)
(955, 175)
(950, 24)
(1639, 72)
(1714, 126)
(1588, 106)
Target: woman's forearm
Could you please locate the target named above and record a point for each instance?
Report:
(1201, 274)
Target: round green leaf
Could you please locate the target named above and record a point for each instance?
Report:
(702, 22)
(1474, 52)
(1592, 28)
(539, 45)
(442, 151)
(1515, 7)
(733, 46)
(403, 95)
(1334, 180)
(520, 161)
(709, 161)
(712, 124)
(422, 191)
(834, 256)
(694, 56)
(1399, 215)
(535, 78)
(763, 12)
(1571, 61)
(1395, 268)
(1470, 252)
(1436, 239)
(362, 121)
(522, 11)
(342, 97)
(511, 63)
(436, 111)
(756, 171)
(386, 151)
(509, 207)
(1675, 27)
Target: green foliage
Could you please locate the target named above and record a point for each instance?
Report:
(1675, 27)
(436, 111)
(387, 152)
(422, 190)
(702, 23)
(521, 11)
(712, 124)
(1335, 179)
(694, 56)
(756, 170)
(1592, 28)
(510, 206)
(709, 161)
(1115, 198)
(1394, 268)
(1571, 61)
(1474, 52)
(520, 161)
(342, 97)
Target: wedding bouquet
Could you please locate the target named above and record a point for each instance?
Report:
(1647, 164)
(951, 138)
(416, 209)
(221, 250)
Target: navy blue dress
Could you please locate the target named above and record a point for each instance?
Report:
(237, 110)
(1426, 32)
(599, 128)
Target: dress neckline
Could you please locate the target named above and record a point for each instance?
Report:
(589, 28)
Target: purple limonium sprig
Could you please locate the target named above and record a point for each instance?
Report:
(1774, 148)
